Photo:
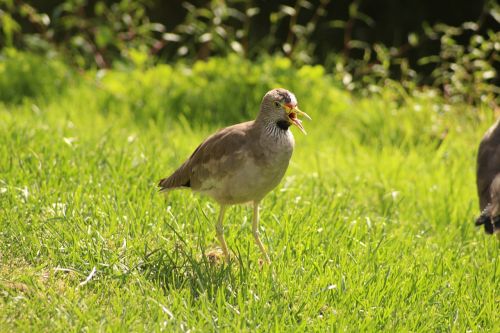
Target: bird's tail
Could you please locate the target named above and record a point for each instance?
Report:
(180, 178)
(491, 223)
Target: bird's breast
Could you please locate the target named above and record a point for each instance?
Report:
(250, 172)
(250, 182)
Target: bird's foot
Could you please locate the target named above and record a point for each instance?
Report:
(217, 256)
(263, 262)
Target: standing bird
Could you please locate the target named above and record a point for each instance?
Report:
(243, 162)
(488, 180)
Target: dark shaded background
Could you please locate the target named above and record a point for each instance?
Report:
(393, 20)
(364, 41)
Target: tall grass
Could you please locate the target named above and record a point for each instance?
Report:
(371, 230)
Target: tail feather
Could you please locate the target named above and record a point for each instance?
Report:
(180, 178)
(491, 224)
(166, 184)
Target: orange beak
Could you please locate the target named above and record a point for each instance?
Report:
(293, 113)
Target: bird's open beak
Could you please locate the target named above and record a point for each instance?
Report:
(293, 113)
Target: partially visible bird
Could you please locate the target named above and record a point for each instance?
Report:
(243, 162)
(488, 180)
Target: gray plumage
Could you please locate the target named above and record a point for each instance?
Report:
(235, 165)
(488, 180)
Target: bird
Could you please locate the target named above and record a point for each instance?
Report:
(243, 162)
(488, 180)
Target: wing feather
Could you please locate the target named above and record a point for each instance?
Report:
(212, 158)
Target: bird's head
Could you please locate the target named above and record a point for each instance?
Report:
(279, 107)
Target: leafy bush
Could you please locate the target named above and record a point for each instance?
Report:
(211, 93)
(460, 61)
(25, 75)
(218, 90)
(87, 34)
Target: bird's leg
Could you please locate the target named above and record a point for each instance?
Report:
(255, 230)
(219, 229)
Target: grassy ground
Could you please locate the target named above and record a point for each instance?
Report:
(371, 230)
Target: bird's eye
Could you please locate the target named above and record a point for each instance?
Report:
(277, 104)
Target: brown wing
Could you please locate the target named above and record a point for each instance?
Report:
(488, 163)
(213, 157)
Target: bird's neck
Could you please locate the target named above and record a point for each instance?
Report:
(283, 124)
(277, 129)
(274, 128)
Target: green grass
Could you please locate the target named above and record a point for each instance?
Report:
(371, 229)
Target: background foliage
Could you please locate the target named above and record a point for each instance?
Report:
(450, 45)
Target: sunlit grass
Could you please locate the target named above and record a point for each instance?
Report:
(371, 230)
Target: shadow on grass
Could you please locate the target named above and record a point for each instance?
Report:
(201, 274)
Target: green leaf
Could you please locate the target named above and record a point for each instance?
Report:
(104, 36)
(9, 27)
